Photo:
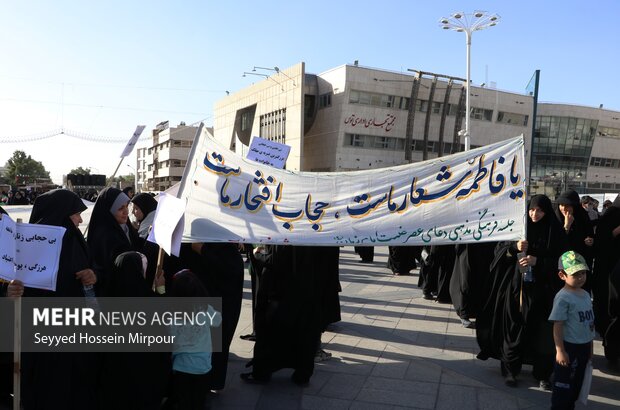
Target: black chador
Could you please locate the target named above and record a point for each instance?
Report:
(288, 313)
(605, 281)
(471, 271)
(61, 380)
(513, 324)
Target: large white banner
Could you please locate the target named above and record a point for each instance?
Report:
(473, 196)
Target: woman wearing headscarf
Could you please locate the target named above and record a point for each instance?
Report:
(577, 226)
(144, 206)
(62, 380)
(605, 276)
(512, 326)
(110, 234)
(288, 313)
(132, 380)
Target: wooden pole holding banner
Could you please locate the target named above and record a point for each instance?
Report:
(525, 216)
(17, 350)
(161, 253)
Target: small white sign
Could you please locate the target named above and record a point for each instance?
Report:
(268, 152)
(133, 140)
(168, 224)
(30, 253)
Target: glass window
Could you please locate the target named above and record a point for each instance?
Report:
(325, 100)
(520, 119)
(364, 98)
(357, 140)
(387, 101)
(245, 121)
(404, 103)
(609, 132)
(354, 97)
(381, 142)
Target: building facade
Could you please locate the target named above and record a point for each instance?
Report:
(353, 118)
(160, 165)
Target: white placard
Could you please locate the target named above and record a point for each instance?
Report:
(268, 152)
(468, 197)
(133, 140)
(30, 253)
(168, 224)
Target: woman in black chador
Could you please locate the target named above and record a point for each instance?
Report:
(471, 271)
(135, 380)
(577, 226)
(401, 259)
(110, 234)
(513, 324)
(605, 280)
(62, 380)
(288, 312)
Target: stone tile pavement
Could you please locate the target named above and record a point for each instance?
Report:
(395, 350)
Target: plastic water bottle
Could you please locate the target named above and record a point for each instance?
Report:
(526, 271)
(528, 275)
(91, 298)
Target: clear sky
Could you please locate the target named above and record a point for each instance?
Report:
(101, 68)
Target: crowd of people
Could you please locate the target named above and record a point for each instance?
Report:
(117, 260)
(509, 288)
(18, 197)
(505, 290)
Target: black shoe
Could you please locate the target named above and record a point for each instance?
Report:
(510, 380)
(251, 337)
(545, 385)
(428, 296)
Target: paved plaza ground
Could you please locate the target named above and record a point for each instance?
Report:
(395, 350)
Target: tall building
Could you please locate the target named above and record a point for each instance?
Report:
(160, 165)
(353, 117)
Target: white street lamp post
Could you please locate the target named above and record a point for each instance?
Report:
(135, 178)
(468, 23)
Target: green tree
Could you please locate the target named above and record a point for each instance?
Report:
(22, 169)
(121, 181)
(80, 171)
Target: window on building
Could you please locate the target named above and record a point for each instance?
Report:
(356, 140)
(609, 132)
(273, 126)
(512, 118)
(325, 100)
(246, 118)
(481, 114)
(354, 97)
(387, 101)
(378, 100)
(374, 142)
(437, 107)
